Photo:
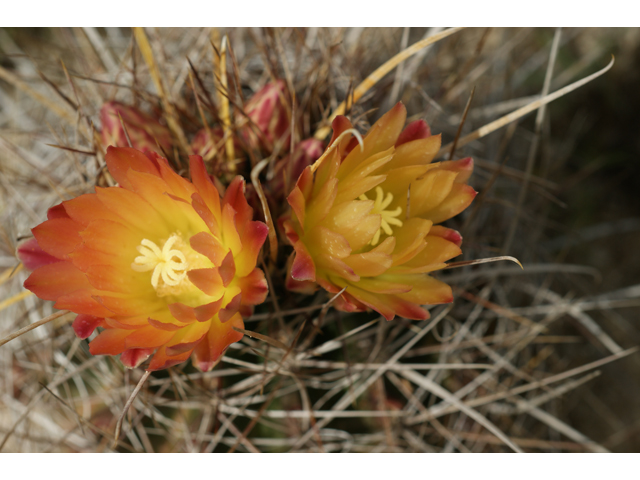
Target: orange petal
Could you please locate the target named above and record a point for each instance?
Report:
(123, 280)
(220, 336)
(121, 159)
(109, 342)
(206, 312)
(164, 320)
(84, 325)
(181, 312)
(213, 223)
(305, 286)
(127, 323)
(208, 280)
(82, 301)
(124, 305)
(207, 190)
(227, 269)
(303, 267)
(54, 280)
(148, 337)
(171, 208)
(235, 197)
(32, 256)
(177, 185)
(187, 338)
(297, 202)
(254, 287)
(161, 360)
(230, 309)
(87, 208)
(57, 211)
(134, 357)
(111, 238)
(84, 257)
(254, 236)
(134, 210)
(58, 237)
(209, 246)
(230, 234)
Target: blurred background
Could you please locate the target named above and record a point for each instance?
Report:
(557, 190)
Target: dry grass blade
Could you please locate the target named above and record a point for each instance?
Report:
(12, 300)
(466, 263)
(28, 328)
(264, 338)
(132, 397)
(444, 394)
(60, 111)
(381, 71)
(521, 112)
(255, 180)
(170, 111)
(225, 114)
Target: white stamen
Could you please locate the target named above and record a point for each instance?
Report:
(161, 262)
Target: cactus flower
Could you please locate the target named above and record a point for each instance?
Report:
(143, 129)
(365, 218)
(160, 263)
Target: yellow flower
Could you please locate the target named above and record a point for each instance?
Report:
(365, 218)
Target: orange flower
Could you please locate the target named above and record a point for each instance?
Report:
(159, 262)
(365, 217)
(143, 130)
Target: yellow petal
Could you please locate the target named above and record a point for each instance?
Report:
(428, 192)
(417, 152)
(410, 239)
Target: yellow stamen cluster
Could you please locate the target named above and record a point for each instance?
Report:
(161, 262)
(388, 216)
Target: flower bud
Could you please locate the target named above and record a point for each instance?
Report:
(145, 132)
(270, 114)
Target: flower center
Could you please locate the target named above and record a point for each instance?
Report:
(388, 216)
(162, 262)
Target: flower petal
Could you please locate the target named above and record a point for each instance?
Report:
(134, 357)
(54, 280)
(109, 342)
(121, 159)
(58, 237)
(84, 325)
(32, 256)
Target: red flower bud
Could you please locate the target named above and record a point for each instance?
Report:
(145, 132)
